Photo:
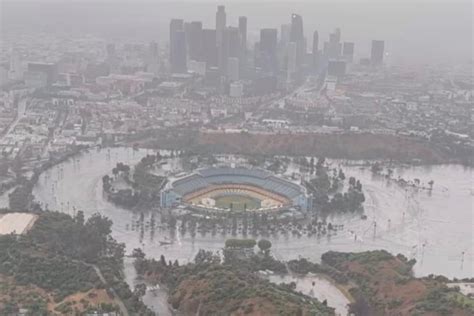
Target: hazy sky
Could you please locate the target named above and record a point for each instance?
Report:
(413, 29)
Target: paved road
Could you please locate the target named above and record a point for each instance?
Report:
(117, 298)
(20, 114)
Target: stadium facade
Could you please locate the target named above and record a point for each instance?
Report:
(201, 188)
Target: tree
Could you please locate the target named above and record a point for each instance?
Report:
(140, 290)
(163, 260)
(320, 163)
(431, 183)
(206, 257)
(264, 245)
(341, 175)
(80, 218)
(137, 253)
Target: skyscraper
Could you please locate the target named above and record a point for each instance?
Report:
(315, 50)
(230, 47)
(337, 68)
(291, 64)
(179, 59)
(194, 40)
(232, 41)
(297, 37)
(220, 28)
(243, 32)
(220, 24)
(177, 46)
(268, 50)
(315, 42)
(337, 34)
(152, 58)
(209, 47)
(243, 43)
(348, 51)
(377, 51)
(232, 68)
(334, 46)
(285, 34)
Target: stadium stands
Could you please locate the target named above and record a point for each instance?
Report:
(255, 182)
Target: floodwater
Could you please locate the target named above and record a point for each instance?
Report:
(318, 287)
(155, 299)
(436, 228)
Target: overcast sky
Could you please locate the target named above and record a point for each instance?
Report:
(418, 30)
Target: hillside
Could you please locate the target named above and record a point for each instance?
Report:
(338, 146)
(64, 266)
(385, 286)
(233, 287)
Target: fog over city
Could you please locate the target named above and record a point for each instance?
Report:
(421, 30)
(236, 157)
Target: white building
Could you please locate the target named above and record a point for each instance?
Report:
(236, 89)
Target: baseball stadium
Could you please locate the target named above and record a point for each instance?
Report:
(234, 189)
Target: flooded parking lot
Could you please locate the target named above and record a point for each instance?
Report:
(436, 228)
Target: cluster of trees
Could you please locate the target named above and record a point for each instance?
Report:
(60, 252)
(51, 256)
(325, 188)
(144, 189)
(121, 168)
(76, 237)
(377, 168)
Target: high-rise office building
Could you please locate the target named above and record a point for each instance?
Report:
(377, 52)
(268, 50)
(296, 32)
(220, 29)
(16, 70)
(337, 68)
(180, 52)
(337, 34)
(333, 49)
(48, 70)
(220, 24)
(177, 46)
(297, 37)
(230, 48)
(152, 58)
(285, 34)
(232, 68)
(194, 40)
(315, 42)
(291, 67)
(243, 42)
(348, 51)
(232, 41)
(315, 50)
(209, 47)
(243, 32)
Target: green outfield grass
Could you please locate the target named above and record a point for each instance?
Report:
(239, 202)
